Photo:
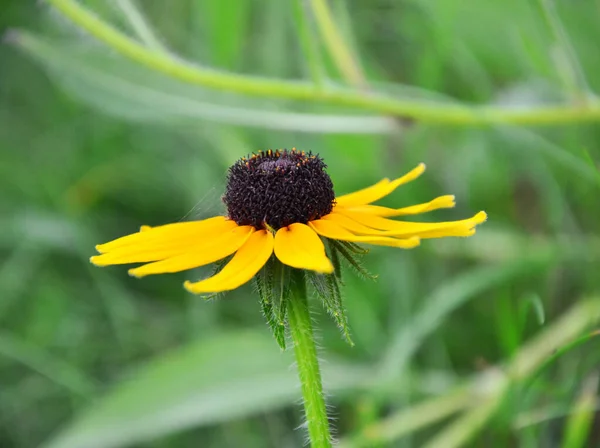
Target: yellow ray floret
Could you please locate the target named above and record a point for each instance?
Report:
(208, 251)
(379, 190)
(300, 247)
(447, 201)
(364, 223)
(180, 231)
(244, 265)
(159, 243)
(333, 230)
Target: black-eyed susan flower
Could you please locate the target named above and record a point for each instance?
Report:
(281, 207)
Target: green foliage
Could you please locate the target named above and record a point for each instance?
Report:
(196, 384)
(273, 287)
(93, 144)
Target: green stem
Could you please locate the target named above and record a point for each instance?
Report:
(309, 44)
(140, 26)
(381, 103)
(334, 41)
(308, 364)
(567, 63)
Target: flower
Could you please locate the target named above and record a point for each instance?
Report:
(279, 203)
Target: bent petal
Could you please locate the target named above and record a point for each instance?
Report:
(353, 226)
(244, 265)
(447, 201)
(379, 190)
(463, 227)
(331, 229)
(359, 228)
(199, 255)
(300, 247)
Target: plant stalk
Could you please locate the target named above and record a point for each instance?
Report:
(308, 364)
(458, 114)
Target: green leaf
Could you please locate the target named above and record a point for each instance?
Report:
(335, 260)
(355, 248)
(117, 86)
(225, 377)
(532, 303)
(56, 370)
(328, 290)
(345, 251)
(443, 301)
(580, 421)
(273, 285)
(281, 289)
(481, 403)
(264, 286)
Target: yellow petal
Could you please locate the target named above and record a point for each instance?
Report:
(353, 226)
(136, 255)
(379, 190)
(244, 265)
(402, 230)
(333, 230)
(463, 227)
(168, 232)
(158, 243)
(364, 196)
(300, 247)
(440, 202)
(199, 255)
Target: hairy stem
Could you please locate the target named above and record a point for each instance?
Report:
(308, 364)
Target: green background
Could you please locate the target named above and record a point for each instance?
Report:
(93, 145)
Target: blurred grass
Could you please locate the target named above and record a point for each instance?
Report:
(93, 145)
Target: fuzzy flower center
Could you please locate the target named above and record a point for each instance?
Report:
(278, 188)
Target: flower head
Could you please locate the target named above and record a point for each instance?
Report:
(275, 189)
(280, 206)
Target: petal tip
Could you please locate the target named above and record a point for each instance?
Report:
(188, 286)
(95, 260)
(193, 287)
(447, 201)
(133, 273)
(480, 217)
(325, 268)
(415, 241)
